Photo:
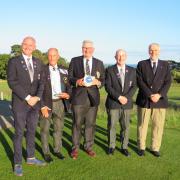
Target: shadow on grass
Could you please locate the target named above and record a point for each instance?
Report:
(7, 148)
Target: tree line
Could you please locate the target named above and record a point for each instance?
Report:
(16, 51)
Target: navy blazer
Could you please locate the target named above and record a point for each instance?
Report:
(76, 71)
(113, 87)
(150, 83)
(19, 81)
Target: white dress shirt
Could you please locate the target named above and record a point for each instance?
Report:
(55, 81)
(89, 62)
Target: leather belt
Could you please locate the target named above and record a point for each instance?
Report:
(55, 100)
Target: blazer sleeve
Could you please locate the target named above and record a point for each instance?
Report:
(13, 81)
(41, 80)
(102, 75)
(71, 78)
(167, 82)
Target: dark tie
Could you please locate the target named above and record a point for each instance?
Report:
(122, 78)
(87, 67)
(154, 67)
(30, 69)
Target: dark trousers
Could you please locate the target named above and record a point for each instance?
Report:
(84, 114)
(24, 119)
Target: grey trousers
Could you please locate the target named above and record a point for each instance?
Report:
(57, 117)
(25, 119)
(84, 114)
(123, 116)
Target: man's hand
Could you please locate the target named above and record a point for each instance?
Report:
(123, 100)
(64, 95)
(33, 100)
(96, 82)
(155, 97)
(80, 82)
(45, 111)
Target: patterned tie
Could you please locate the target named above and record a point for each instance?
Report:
(30, 69)
(87, 67)
(122, 78)
(154, 67)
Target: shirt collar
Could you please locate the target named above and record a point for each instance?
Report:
(26, 57)
(121, 67)
(52, 67)
(90, 59)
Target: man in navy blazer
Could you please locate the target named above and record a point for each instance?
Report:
(86, 75)
(120, 84)
(25, 79)
(154, 80)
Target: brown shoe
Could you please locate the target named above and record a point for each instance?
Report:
(74, 154)
(91, 153)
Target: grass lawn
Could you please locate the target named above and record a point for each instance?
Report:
(115, 167)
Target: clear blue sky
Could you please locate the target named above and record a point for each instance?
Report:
(111, 24)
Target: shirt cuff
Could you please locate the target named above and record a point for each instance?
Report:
(45, 107)
(28, 97)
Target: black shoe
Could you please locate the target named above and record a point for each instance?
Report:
(59, 155)
(111, 151)
(155, 153)
(141, 152)
(125, 152)
(48, 158)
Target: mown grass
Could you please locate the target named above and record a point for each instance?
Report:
(103, 166)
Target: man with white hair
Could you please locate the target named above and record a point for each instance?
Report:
(86, 75)
(154, 80)
(120, 84)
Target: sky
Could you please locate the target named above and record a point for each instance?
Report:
(111, 24)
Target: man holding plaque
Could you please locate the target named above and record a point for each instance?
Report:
(54, 101)
(86, 75)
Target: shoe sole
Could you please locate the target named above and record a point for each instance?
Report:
(30, 164)
(18, 174)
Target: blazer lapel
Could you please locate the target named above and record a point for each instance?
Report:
(81, 65)
(117, 75)
(47, 71)
(158, 71)
(24, 67)
(126, 80)
(34, 68)
(93, 70)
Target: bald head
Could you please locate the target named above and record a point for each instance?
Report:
(120, 57)
(53, 56)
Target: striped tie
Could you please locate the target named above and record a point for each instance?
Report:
(30, 69)
(87, 67)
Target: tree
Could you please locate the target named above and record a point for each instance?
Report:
(3, 65)
(176, 75)
(16, 50)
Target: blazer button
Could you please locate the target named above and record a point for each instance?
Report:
(151, 87)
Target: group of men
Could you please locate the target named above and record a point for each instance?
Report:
(45, 91)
